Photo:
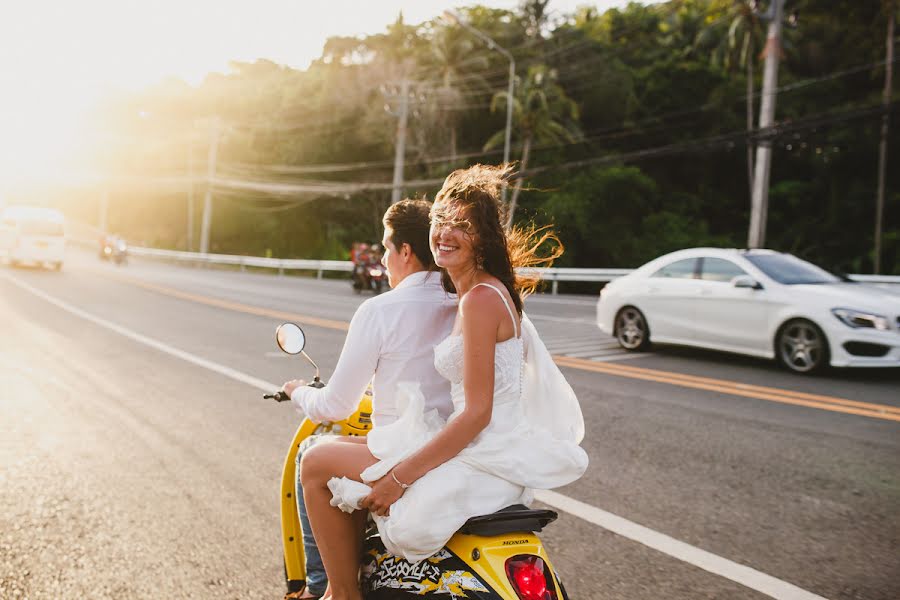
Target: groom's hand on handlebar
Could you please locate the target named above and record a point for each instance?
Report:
(289, 387)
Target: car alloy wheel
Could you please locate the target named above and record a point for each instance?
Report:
(631, 329)
(802, 347)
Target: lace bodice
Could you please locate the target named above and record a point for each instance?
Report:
(508, 364)
(448, 360)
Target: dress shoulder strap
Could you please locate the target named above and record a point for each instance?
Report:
(506, 304)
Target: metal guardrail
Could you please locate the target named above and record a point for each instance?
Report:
(552, 274)
(282, 264)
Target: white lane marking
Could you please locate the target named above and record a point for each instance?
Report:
(551, 299)
(744, 575)
(624, 356)
(537, 317)
(563, 347)
(147, 341)
(707, 561)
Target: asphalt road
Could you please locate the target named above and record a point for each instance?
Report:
(131, 472)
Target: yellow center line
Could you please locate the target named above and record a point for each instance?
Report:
(876, 411)
(733, 388)
(235, 306)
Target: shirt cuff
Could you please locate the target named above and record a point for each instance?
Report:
(297, 399)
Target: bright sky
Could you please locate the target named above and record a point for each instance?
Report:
(60, 56)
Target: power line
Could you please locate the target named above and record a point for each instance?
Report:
(717, 141)
(321, 188)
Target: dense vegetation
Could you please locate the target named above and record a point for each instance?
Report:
(630, 127)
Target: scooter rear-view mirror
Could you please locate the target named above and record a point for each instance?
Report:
(290, 338)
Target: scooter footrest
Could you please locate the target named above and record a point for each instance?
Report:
(515, 518)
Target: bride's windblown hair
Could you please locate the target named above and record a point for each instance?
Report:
(470, 199)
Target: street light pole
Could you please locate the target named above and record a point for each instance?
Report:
(400, 145)
(214, 134)
(454, 17)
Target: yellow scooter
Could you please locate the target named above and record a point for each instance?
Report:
(492, 557)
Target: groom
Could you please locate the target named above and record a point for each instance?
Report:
(391, 339)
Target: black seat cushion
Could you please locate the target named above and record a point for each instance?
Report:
(515, 518)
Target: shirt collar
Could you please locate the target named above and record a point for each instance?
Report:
(419, 278)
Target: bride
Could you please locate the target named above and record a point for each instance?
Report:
(516, 423)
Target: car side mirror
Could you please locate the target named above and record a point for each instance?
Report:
(745, 281)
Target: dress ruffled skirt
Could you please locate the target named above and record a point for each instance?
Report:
(500, 467)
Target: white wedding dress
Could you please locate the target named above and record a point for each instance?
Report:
(531, 442)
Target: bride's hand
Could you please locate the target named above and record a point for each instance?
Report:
(384, 493)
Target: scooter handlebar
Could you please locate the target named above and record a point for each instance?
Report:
(280, 396)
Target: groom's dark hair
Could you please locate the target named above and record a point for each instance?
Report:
(409, 222)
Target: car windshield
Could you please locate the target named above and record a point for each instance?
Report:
(42, 228)
(790, 270)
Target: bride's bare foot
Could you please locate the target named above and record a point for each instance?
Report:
(303, 594)
(329, 595)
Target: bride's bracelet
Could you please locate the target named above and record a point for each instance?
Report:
(401, 484)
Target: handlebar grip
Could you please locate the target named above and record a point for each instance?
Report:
(278, 396)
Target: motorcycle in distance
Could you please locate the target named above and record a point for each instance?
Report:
(114, 249)
(369, 276)
(368, 272)
(492, 557)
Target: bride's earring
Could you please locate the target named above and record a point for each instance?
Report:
(479, 262)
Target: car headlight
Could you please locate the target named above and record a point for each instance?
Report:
(375, 272)
(858, 319)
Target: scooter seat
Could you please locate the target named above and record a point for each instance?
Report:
(511, 519)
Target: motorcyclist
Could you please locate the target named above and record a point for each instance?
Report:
(391, 339)
(360, 255)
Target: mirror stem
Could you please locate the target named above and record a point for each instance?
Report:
(312, 362)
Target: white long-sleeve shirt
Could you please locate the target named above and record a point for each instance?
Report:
(391, 336)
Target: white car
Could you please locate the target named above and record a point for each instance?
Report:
(757, 302)
(32, 234)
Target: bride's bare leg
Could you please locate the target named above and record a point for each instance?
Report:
(338, 534)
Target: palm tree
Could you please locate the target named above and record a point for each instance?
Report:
(542, 113)
(890, 10)
(453, 63)
(737, 49)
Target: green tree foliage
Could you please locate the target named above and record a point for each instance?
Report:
(631, 125)
(541, 113)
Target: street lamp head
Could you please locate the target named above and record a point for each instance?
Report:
(794, 18)
(451, 16)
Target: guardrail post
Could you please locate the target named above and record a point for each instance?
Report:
(319, 273)
(243, 265)
(555, 287)
(280, 269)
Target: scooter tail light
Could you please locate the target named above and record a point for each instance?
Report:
(531, 577)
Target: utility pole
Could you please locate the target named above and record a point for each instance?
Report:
(190, 198)
(882, 146)
(400, 145)
(210, 176)
(104, 210)
(759, 204)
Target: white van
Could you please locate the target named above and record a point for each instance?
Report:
(32, 234)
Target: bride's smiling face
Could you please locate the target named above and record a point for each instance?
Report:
(452, 237)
